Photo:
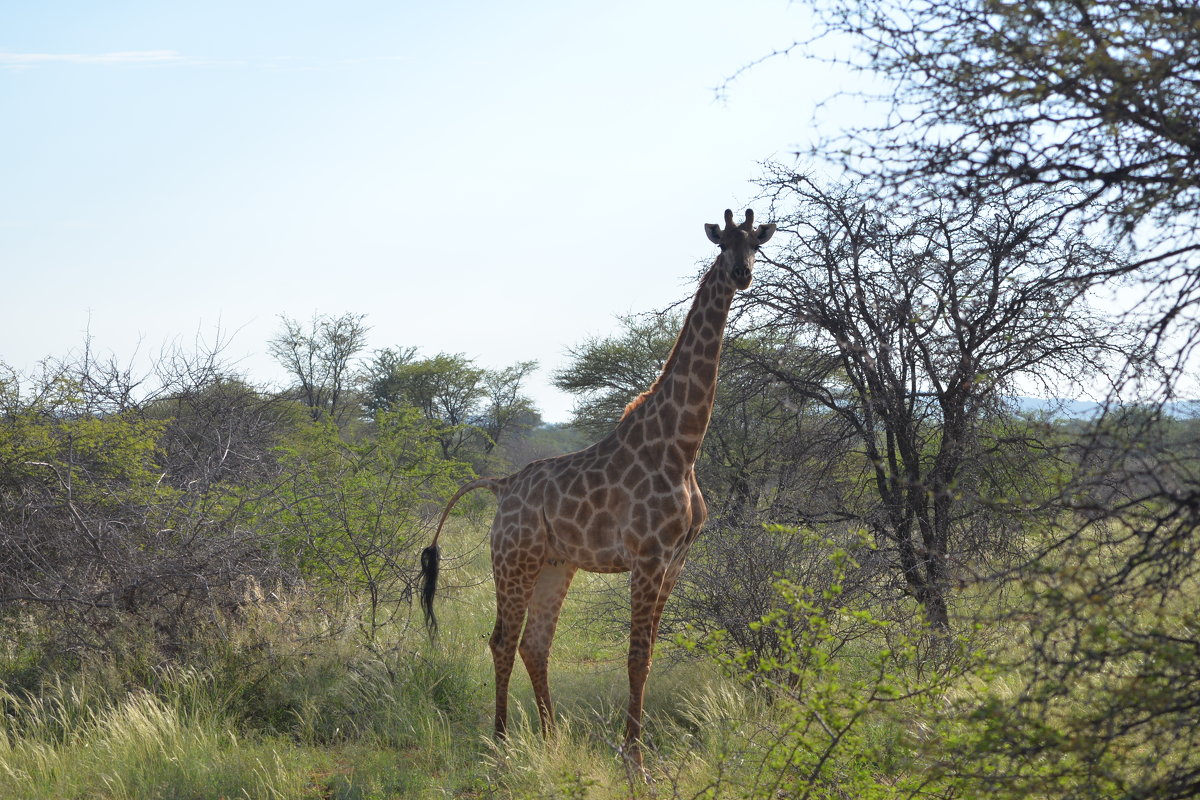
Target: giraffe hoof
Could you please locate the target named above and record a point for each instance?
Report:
(631, 755)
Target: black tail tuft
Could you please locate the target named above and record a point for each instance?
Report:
(431, 559)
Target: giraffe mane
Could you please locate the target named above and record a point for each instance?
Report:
(638, 401)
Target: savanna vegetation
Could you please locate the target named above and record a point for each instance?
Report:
(913, 583)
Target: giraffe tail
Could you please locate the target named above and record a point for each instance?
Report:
(431, 557)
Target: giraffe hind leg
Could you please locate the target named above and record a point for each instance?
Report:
(512, 599)
(548, 594)
(516, 562)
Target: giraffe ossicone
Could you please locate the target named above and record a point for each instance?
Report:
(629, 503)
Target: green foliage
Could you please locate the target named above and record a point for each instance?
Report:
(123, 521)
(444, 387)
(729, 585)
(472, 408)
(286, 696)
(108, 460)
(851, 709)
(1102, 703)
(349, 513)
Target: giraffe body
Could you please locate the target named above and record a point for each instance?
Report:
(629, 503)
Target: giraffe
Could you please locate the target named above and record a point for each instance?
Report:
(629, 503)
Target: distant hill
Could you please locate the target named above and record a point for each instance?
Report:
(1085, 409)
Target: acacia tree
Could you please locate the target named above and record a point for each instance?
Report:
(320, 358)
(1098, 97)
(765, 447)
(444, 388)
(606, 373)
(506, 407)
(474, 408)
(1098, 100)
(930, 321)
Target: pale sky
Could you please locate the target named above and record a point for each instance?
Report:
(493, 179)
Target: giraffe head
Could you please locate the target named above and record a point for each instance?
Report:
(739, 245)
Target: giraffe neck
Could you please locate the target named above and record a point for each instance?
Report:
(678, 406)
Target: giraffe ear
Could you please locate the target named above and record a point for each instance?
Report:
(714, 232)
(765, 232)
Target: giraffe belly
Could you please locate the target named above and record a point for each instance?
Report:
(608, 541)
(594, 545)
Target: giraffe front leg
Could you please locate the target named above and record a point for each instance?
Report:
(544, 607)
(648, 591)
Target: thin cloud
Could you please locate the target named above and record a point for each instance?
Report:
(123, 57)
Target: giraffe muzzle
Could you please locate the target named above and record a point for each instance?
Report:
(742, 276)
